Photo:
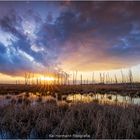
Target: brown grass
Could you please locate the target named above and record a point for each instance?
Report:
(94, 119)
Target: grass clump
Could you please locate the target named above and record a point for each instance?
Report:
(108, 121)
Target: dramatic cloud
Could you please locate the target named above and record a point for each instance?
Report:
(35, 36)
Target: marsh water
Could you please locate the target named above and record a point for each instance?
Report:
(105, 98)
(36, 98)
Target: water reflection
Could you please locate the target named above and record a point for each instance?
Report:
(104, 98)
(24, 97)
(79, 97)
(34, 98)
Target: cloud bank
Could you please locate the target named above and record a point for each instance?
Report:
(36, 36)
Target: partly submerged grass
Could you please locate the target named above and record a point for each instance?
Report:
(94, 119)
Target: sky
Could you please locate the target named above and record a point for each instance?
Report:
(67, 36)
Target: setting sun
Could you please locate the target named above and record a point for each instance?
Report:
(47, 78)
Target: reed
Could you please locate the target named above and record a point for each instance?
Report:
(109, 121)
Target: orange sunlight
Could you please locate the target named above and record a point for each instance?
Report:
(47, 78)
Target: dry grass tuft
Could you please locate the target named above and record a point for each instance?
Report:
(97, 120)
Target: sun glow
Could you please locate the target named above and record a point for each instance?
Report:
(47, 78)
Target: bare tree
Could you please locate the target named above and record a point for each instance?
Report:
(122, 76)
(93, 78)
(130, 76)
(81, 79)
(116, 80)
